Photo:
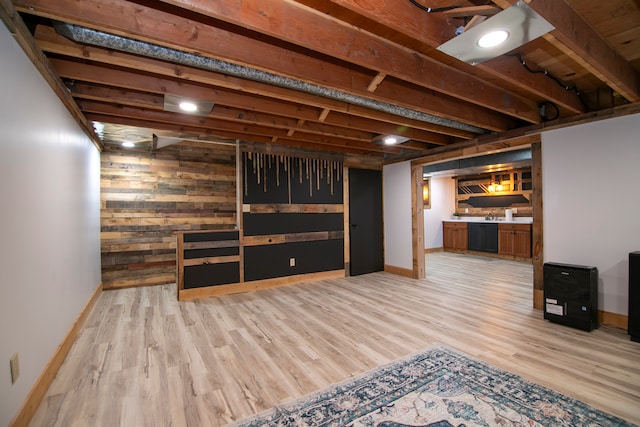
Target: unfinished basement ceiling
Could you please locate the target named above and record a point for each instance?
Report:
(331, 75)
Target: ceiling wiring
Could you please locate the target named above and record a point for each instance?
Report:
(565, 86)
(433, 9)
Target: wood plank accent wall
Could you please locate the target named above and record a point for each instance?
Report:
(146, 197)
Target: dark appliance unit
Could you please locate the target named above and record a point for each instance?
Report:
(483, 237)
(571, 295)
(634, 296)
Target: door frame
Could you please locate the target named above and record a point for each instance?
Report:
(417, 212)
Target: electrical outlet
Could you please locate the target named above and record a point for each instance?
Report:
(15, 368)
(292, 262)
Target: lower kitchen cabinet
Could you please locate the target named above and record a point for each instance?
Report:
(483, 237)
(515, 240)
(454, 235)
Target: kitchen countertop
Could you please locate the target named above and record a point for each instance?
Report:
(498, 220)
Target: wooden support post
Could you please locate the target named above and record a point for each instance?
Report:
(538, 225)
(417, 219)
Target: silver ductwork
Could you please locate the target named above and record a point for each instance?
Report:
(97, 38)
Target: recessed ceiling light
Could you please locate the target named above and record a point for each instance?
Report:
(390, 139)
(521, 24)
(128, 144)
(188, 106)
(182, 105)
(494, 38)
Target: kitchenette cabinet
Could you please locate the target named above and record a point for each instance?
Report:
(454, 235)
(515, 240)
(505, 239)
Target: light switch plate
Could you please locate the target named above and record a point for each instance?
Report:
(292, 262)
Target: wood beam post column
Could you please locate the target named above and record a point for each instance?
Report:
(417, 219)
(538, 225)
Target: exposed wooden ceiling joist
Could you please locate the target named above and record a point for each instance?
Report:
(576, 38)
(301, 26)
(329, 75)
(431, 30)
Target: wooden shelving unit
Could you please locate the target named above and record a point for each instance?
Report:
(206, 259)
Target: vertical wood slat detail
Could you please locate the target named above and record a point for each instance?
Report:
(146, 197)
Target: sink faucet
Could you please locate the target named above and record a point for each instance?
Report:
(490, 216)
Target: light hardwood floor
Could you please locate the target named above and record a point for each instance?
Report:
(144, 359)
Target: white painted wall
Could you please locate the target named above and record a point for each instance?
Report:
(591, 184)
(443, 204)
(396, 182)
(49, 222)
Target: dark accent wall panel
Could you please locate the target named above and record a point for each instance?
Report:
(271, 261)
(265, 180)
(311, 234)
(206, 237)
(322, 186)
(497, 201)
(273, 179)
(264, 224)
(212, 252)
(198, 276)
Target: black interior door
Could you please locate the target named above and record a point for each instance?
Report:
(365, 221)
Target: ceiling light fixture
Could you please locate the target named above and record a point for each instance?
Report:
(180, 104)
(389, 139)
(512, 28)
(128, 144)
(188, 106)
(493, 38)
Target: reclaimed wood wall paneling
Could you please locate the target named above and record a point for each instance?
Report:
(147, 197)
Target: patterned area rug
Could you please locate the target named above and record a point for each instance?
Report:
(435, 388)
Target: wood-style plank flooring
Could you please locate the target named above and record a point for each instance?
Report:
(144, 359)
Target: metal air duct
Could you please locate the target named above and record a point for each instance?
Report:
(98, 38)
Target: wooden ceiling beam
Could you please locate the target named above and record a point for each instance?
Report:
(321, 33)
(259, 55)
(148, 101)
(375, 82)
(250, 139)
(462, 12)
(341, 125)
(215, 125)
(82, 72)
(54, 43)
(350, 121)
(431, 29)
(172, 127)
(25, 40)
(130, 98)
(323, 115)
(576, 38)
(135, 20)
